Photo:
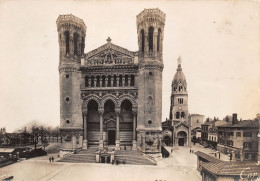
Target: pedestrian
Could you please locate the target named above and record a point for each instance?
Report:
(190, 150)
(52, 159)
(171, 150)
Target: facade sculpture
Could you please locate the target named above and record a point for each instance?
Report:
(111, 96)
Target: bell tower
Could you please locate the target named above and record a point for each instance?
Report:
(150, 29)
(179, 97)
(71, 35)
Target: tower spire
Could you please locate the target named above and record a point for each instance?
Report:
(179, 63)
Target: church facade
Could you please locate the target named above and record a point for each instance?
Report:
(111, 96)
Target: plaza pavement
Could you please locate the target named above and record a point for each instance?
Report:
(181, 165)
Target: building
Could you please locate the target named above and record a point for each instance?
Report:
(205, 129)
(111, 96)
(196, 120)
(179, 111)
(239, 138)
(167, 134)
(212, 169)
(213, 137)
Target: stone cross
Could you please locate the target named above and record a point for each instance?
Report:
(108, 40)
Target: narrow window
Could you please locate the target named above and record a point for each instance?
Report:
(151, 30)
(177, 115)
(75, 37)
(82, 46)
(158, 39)
(142, 40)
(86, 81)
(132, 80)
(67, 41)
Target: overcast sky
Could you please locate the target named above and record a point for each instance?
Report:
(218, 41)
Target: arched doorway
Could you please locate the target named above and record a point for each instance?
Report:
(182, 138)
(110, 122)
(93, 123)
(126, 123)
(167, 140)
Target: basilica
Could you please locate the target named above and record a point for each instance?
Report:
(111, 96)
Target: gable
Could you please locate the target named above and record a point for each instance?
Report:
(109, 54)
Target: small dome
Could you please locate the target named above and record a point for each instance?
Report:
(179, 76)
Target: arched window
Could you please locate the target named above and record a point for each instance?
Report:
(150, 35)
(182, 114)
(142, 40)
(82, 46)
(92, 82)
(120, 81)
(98, 81)
(114, 81)
(175, 88)
(103, 81)
(67, 42)
(132, 83)
(180, 88)
(86, 81)
(75, 38)
(109, 81)
(126, 80)
(177, 115)
(158, 39)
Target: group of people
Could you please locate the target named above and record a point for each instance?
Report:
(51, 159)
(191, 151)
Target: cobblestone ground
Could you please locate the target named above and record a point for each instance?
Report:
(181, 165)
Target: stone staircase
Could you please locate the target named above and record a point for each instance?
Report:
(133, 157)
(83, 156)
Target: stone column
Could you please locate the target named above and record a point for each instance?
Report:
(89, 82)
(85, 135)
(106, 80)
(134, 130)
(123, 80)
(95, 82)
(101, 112)
(100, 81)
(117, 110)
(112, 81)
(129, 80)
(117, 81)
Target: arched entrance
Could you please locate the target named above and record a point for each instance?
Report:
(167, 140)
(93, 123)
(110, 122)
(182, 138)
(126, 123)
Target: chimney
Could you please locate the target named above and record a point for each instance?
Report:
(234, 118)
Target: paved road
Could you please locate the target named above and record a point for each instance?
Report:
(181, 165)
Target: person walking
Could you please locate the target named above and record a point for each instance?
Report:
(52, 159)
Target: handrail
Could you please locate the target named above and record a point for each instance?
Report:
(147, 156)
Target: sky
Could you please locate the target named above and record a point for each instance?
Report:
(219, 42)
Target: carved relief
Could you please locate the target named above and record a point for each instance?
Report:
(109, 57)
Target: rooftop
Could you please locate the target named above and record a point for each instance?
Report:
(232, 168)
(241, 124)
(208, 157)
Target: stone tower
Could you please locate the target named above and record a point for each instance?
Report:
(71, 34)
(150, 29)
(179, 96)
